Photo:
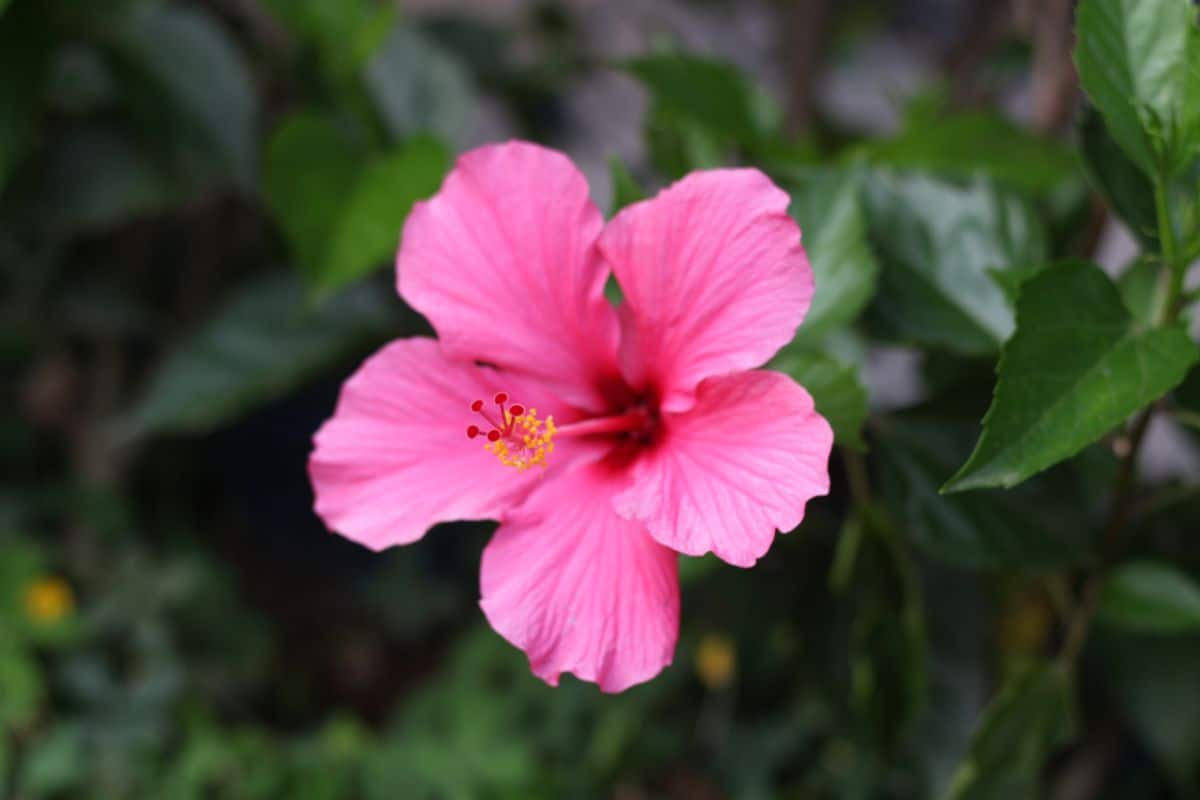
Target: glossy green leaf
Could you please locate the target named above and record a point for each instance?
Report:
(828, 207)
(1033, 528)
(260, 345)
(1139, 62)
(1076, 368)
(837, 392)
(1151, 597)
(195, 70)
(1031, 717)
(938, 246)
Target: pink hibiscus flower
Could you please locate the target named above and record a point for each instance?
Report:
(605, 440)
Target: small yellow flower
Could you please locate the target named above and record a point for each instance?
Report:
(48, 600)
(716, 660)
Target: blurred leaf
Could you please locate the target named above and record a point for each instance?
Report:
(957, 624)
(419, 88)
(342, 210)
(625, 188)
(964, 145)
(982, 530)
(711, 94)
(80, 81)
(679, 145)
(260, 345)
(1138, 285)
(56, 762)
(1123, 185)
(837, 392)
(21, 686)
(1151, 597)
(195, 70)
(828, 207)
(888, 645)
(1031, 717)
(1076, 367)
(96, 179)
(1153, 680)
(938, 246)
(311, 167)
(1139, 62)
(373, 214)
(346, 34)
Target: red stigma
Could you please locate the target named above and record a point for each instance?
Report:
(493, 435)
(472, 431)
(500, 398)
(477, 406)
(517, 410)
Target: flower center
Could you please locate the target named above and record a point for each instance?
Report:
(515, 436)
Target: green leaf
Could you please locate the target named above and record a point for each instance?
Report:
(56, 761)
(1031, 717)
(345, 34)
(1138, 285)
(21, 686)
(938, 245)
(837, 392)
(195, 70)
(1025, 529)
(828, 207)
(260, 345)
(625, 188)
(420, 88)
(965, 145)
(341, 209)
(311, 167)
(370, 221)
(97, 179)
(1151, 597)
(712, 94)
(1139, 62)
(1077, 367)
(1120, 182)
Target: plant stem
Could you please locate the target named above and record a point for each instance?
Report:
(1166, 313)
(1169, 301)
(1081, 620)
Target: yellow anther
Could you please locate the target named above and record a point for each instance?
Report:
(528, 443)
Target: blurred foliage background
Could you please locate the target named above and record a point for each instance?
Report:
(199, 203)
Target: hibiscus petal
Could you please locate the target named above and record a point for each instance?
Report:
(502, 262)
(579, 589)
(740, 464)
(714, 279)
(394, 459)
